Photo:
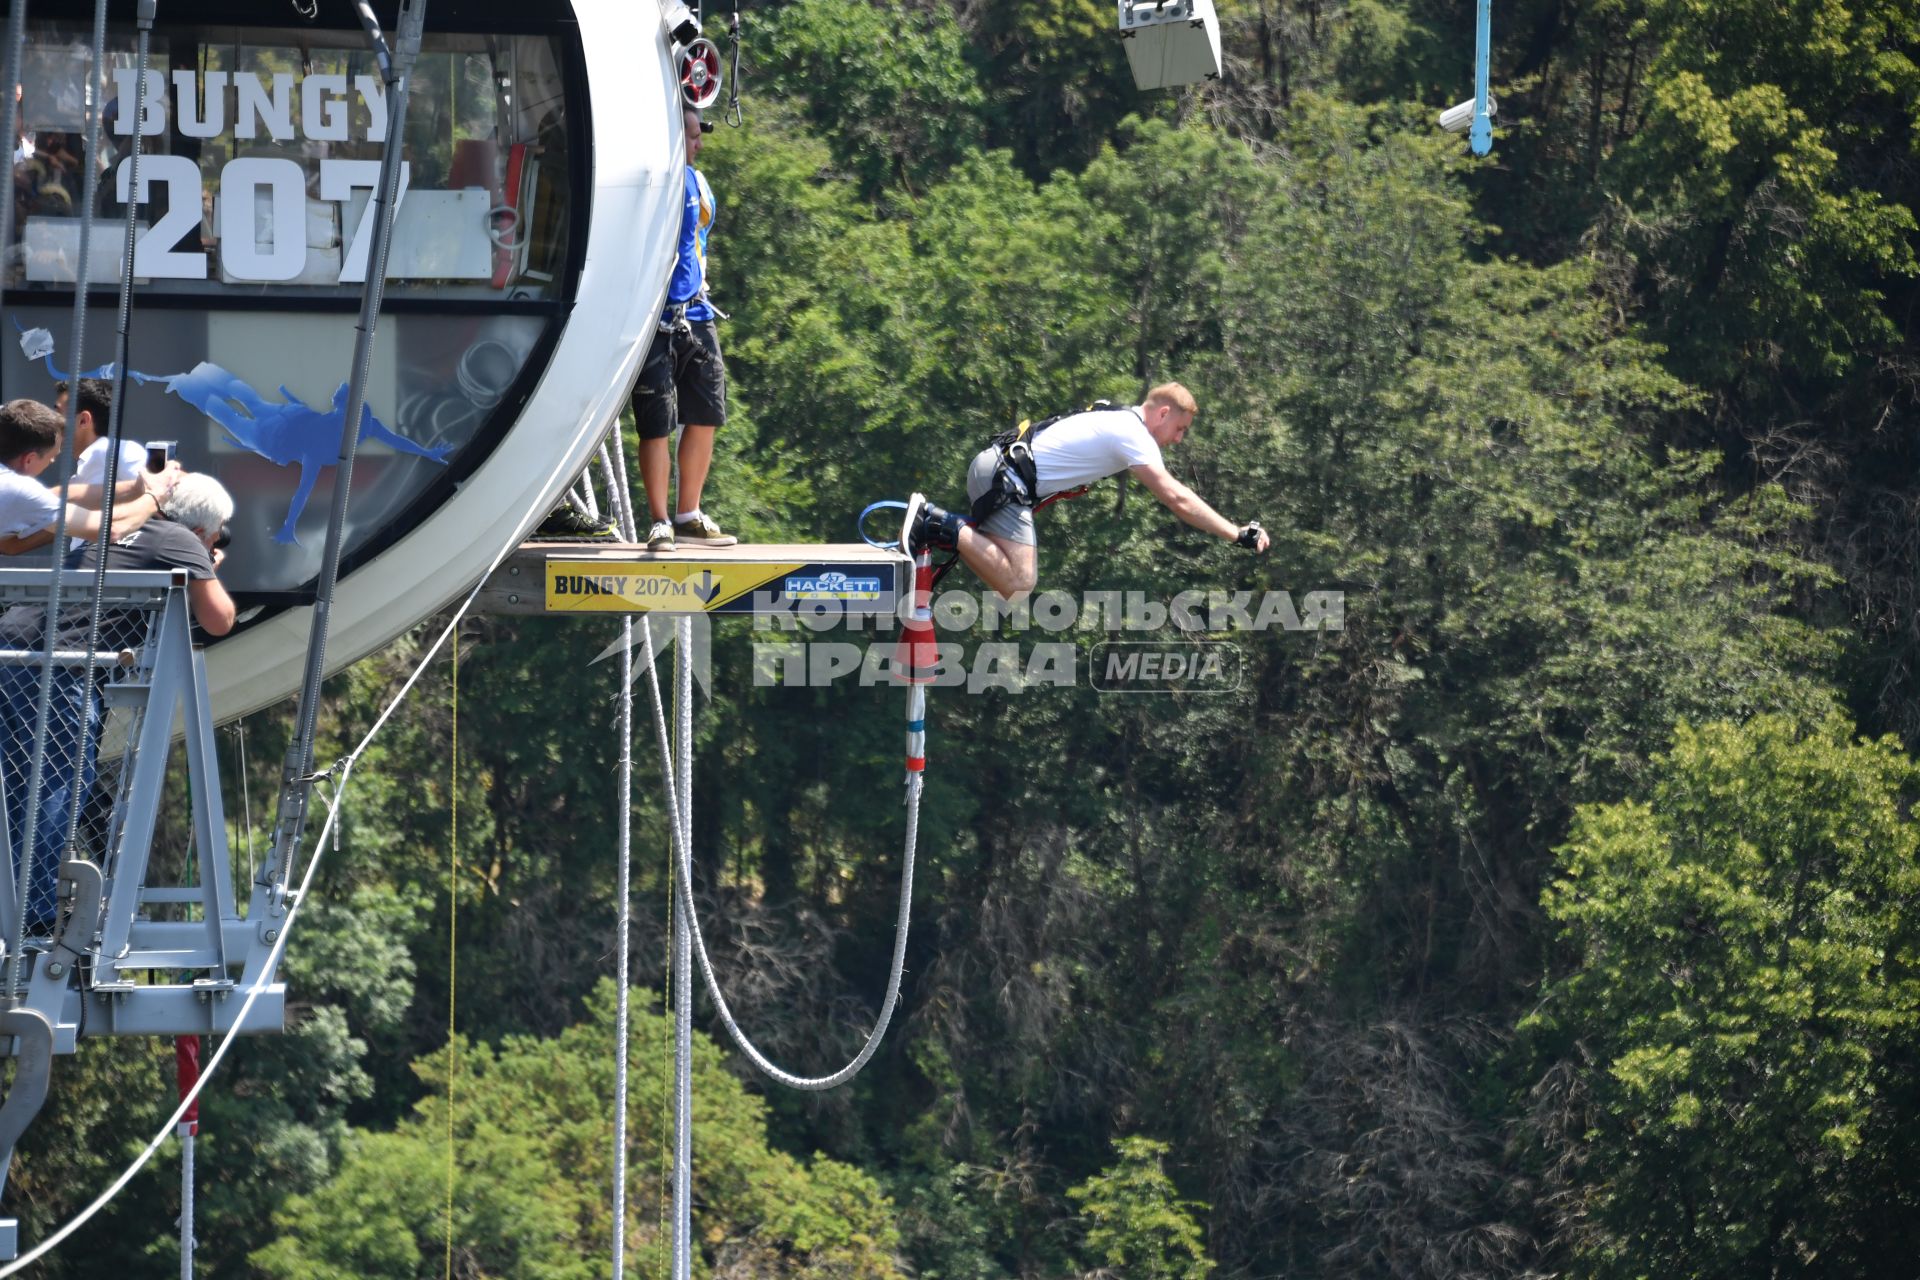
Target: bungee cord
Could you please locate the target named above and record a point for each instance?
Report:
(683, 866)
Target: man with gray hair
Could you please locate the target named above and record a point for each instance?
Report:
(186, 535)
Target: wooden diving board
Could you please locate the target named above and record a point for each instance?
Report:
(551, 578)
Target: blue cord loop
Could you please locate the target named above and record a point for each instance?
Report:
(860, 524)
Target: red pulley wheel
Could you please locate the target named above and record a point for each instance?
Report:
(700, 74)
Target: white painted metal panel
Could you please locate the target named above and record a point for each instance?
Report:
(1170, 42)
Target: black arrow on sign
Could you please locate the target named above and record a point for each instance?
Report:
(708, 588)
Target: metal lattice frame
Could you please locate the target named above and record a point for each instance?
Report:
(140, 944)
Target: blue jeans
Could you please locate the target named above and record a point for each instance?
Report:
(70, 765)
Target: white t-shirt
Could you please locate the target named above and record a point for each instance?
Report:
(26, 505)
(1091, 446)
(92, 467)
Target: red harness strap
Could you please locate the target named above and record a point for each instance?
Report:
(1052, 498)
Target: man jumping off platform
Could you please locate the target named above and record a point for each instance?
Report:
(1023, 468)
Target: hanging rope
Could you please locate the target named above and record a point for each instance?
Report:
(680, 801)
(453, 935)
(246, 792)
(917, 643)
(621, 508)
(734, 116)
(666, 1063)
(396, 70)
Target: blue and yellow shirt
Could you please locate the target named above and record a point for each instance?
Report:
(690, 264)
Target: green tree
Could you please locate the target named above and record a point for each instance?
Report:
(1136, 1224)
(531, 1135)
(1745, 200)
(1745, 1001)
(890, 88)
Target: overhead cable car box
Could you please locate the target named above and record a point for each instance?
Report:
(1170, 42)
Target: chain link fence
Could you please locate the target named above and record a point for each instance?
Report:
(75, 766)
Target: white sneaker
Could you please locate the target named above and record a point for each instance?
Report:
(699, 530)
(660, 537)
(914, 504)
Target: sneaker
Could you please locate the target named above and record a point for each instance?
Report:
(699, 530)
(934, 528)
(660, 537)
(569, 523)
(915, 503)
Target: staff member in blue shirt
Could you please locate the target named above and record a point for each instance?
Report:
(684, 382)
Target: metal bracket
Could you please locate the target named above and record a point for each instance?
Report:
(83, 921)
(33, 1053)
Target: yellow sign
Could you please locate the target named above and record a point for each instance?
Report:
(684, 586)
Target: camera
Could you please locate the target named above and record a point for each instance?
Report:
(1457, 118)
(681, 24)
(223, 539)
(159, 454)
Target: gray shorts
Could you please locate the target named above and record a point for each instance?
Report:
(1014, 522)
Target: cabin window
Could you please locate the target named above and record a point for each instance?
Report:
(259, 148)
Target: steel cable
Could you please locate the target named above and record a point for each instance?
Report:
(115, 419)
(36, 772)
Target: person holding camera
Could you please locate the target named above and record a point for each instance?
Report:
(136, 476)
(92, 412)
(189, 534)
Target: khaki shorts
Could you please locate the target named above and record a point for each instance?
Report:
(1014, 522)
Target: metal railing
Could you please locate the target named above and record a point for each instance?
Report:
(122, 939)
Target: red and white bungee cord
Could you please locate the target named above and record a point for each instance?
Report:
(918, 657)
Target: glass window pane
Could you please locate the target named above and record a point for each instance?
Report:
(260, 148)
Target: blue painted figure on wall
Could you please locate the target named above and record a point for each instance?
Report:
(285, 432)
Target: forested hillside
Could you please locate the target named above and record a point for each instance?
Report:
(1558, 915)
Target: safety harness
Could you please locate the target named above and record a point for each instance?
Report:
(1015, 477)
(673, 317)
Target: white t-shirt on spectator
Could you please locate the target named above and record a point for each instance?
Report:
(1091, 446)
(26, 505)
(92, 467)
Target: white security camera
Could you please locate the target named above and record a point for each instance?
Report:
(1458, 119)
(681, 24)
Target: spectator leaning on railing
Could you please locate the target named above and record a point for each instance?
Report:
(183, 536)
